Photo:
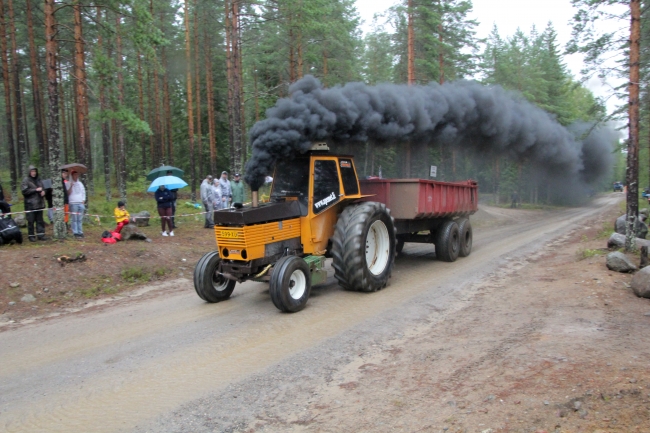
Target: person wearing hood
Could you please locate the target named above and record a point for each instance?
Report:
(32, 189)
(226, 193)
(77, 200)
(207, 197)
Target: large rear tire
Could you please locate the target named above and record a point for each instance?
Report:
(465, 233)
(208, 283)
(290, 284)
(363, 247)
(447, 241)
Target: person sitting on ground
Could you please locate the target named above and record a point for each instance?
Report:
(121, 216)
(164, 198)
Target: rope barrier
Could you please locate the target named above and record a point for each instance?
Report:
(100, 216)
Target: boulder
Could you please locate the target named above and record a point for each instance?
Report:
(131, 232)
(641, 283)
(20, 220)
(141, 218)
(619, 262)
(641, 229)
(617, 240)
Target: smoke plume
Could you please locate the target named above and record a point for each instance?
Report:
(464, 113)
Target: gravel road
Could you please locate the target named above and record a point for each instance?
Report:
(168, 362)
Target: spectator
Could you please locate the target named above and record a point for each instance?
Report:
(216, 194)
(207, 197)
(226, 192)
(66, 204)
(164, 198)
(175, 194)
(515, 200)
(237, 188)
(32, 189)
(121, 216)
(77, 200)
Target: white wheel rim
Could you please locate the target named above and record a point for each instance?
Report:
(297, 284)
(377, 247)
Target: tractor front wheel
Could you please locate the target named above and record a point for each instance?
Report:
(363, 247)
(290, 284)
(209, 284)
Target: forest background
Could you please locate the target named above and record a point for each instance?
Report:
(123, 86)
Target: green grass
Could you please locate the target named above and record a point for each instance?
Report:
(588, 253)
(606, 232)
(135, 274)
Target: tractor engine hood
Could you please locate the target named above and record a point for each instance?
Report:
(266, 212)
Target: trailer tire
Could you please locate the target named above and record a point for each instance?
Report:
(447, 241)
(290, 284)
(208, 285)
(465, 233)
(363, 247)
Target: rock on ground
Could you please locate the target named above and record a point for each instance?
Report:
(20, 221)
(641, 283)
(131, 232)
(617, 240)
(641, 229)
(619, 262)
(141, 218)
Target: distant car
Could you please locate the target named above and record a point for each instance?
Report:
(618, 186)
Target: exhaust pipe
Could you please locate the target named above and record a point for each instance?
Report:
(255, 198)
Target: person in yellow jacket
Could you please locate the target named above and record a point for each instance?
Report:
(121, 216)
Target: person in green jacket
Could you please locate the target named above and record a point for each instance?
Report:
(237, 189)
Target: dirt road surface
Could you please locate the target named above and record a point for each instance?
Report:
(522, 335)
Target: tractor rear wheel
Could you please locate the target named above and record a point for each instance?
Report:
(447, 241)
(400, 245)
(465, 232)
(208, 283)
(290, 284)
(363, 247)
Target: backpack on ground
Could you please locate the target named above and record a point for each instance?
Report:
(9, 231)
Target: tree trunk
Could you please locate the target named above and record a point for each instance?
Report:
(168, 109)
(141, 106)
(64, 128)
(197, 71)
(632, 174)
(80, 92)
(18, 104)
(103, 106)
(411, 45)
(36, 87)
(441, 60)
(6, 79)
(53, 115)
(211, 122)
(121, 150)
(190, 115)
(229, 80)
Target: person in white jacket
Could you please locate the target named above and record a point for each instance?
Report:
(207, 197)
(77, 199)
(216, 194)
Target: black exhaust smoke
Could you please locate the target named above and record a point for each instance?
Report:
(464, 113)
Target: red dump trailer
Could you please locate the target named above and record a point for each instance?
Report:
(428, 211)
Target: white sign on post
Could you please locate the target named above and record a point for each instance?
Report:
(434, 171)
